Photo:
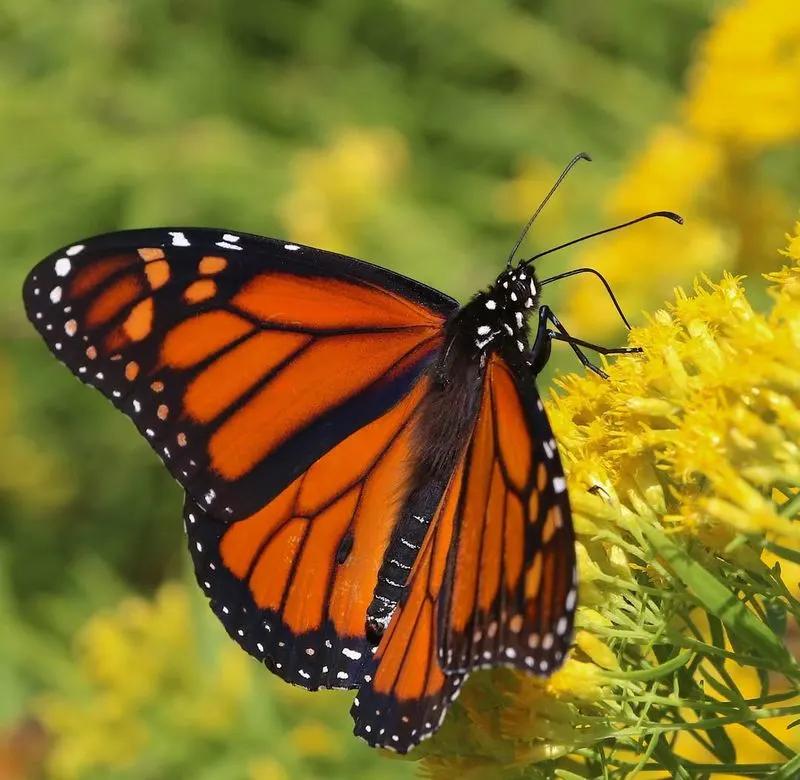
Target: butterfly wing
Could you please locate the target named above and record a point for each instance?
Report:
(494, 583)
(512, 583)
(276, 383)
(241, 359)
(406, 693)
(292, 583)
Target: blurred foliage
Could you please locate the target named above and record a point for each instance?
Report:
(420, 136)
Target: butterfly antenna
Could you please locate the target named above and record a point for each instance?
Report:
(666, 214)
(575, 272)
(570, 166)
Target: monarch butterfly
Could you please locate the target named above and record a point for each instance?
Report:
(373, 494)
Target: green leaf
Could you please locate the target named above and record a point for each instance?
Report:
(718, 599)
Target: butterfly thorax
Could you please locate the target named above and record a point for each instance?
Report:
(495, 320)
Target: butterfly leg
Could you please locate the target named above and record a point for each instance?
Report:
(540, 353)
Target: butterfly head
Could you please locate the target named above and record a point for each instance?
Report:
(516, 290)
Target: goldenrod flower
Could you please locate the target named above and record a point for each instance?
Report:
(746, 81)
(683, 473)
(158, 689)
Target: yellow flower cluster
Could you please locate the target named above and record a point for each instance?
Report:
(741, 99)
(157, 688)
(681, 469)
(335, 189)
(745, 85)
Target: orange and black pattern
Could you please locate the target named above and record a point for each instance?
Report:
(495, 582)
(277, 383)
(513, 602)
(292, 582)
(406, 693)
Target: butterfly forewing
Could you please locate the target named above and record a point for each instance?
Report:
(242, 360)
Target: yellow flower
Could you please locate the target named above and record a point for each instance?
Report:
(127, 658)
(315, 739)
(673, 171)
(267, 769)
(670, 172)
(745, 84)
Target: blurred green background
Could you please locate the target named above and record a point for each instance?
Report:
(418, 134)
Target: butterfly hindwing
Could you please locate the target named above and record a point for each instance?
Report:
(494, 581)
(512, 594)
(406, 694)
(292, 583)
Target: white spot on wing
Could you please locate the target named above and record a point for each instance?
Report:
(55, 294)
(559, 484)
(178, 238)
(229, 237)
(74, 250)
(570, 603)
(353, 654)
(291, 247)
(491, 305)
(228, 245)
(483, 330)
(63, 266)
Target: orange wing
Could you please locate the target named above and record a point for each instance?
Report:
(494, 582)
(292, 582)
(278, 384)
(242, 360)
(512, 591)
(406, 693)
